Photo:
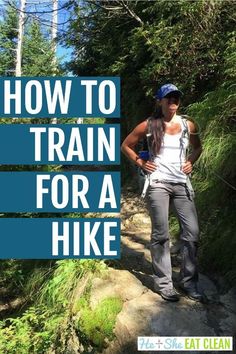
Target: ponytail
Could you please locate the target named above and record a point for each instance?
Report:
(157, 129)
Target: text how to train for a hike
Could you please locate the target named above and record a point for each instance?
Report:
(60, 192)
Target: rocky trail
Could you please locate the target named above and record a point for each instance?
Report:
(144, 312)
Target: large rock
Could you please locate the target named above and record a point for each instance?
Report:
(208, 287)
(145, 313)
(140, 219)
(149, 315)
(227, 322)
(115, 283)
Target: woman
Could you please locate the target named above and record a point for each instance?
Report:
(168, 167)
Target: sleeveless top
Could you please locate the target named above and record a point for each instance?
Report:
(171, 156)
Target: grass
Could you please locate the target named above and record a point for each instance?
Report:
(47, 324)
(215, 197)
(58, 290)
(96, 325)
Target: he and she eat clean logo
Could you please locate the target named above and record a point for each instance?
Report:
(185, 343)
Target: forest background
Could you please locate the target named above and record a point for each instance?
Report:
(146, 43)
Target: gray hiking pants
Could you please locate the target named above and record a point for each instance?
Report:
(159, 197)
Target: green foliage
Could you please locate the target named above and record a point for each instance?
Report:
(217, 244)
(33, 332)
(215, 175)
(47, 324)
(215, 115)
(38, 56)
(23, 277)
(36, 277)
(8, 40)
(94, 120)
(96, 325)
(174, 227)
(181, 41)
(85, 120)
(189, 43)
(11, 275)
(58, 290)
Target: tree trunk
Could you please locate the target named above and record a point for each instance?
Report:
(54, 43)
(54, 30)
(20, 37)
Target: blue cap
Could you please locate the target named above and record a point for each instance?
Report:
(166, 89)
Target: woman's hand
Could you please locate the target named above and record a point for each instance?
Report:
(148, 166)
(187, 167)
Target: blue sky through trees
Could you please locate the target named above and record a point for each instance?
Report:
(42, 10)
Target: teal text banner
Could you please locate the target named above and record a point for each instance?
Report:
(42, 97)
(82, 144)
(59, 192)
(24, 238)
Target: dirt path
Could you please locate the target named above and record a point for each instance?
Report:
(144, 312)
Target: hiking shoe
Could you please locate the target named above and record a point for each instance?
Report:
(193, 294)
(169, 294)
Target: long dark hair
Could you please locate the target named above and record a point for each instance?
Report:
(157, 130)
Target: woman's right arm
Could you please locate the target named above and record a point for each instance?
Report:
(128, 147)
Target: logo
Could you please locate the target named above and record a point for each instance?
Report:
(185, 343)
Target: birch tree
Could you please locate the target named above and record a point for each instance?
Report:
(54, 37)
(20, 37)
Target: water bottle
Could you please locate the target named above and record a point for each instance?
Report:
(144, 155)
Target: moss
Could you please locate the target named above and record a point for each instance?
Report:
(97, 324)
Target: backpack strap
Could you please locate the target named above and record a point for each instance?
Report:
(148, 144)
(185, 133)
(185, 124)
(149, 134)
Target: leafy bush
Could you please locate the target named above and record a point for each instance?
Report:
(33, 332)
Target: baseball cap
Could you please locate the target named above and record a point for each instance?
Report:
(166, 89)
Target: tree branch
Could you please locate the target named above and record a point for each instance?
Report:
(131, 13)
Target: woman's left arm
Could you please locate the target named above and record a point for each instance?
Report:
(196, 148)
